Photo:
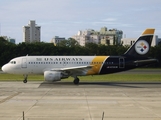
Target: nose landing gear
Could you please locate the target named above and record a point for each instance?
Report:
(25, 78)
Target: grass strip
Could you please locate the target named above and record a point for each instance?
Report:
(104, 78)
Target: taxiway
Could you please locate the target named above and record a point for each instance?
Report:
(86, 101)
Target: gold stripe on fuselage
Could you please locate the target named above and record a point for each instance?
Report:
(97, 64)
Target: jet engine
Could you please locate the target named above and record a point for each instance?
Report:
(52, 76)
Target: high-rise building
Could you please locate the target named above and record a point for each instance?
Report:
(31, 32)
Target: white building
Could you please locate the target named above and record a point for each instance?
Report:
(86, 36)
(104, 36)
(31, 32)
(130, 41)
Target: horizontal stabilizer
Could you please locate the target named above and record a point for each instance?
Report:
(145, 61)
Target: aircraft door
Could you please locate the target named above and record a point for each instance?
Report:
(121, 62)
(24, 63)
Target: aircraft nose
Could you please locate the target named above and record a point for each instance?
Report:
(4, 68)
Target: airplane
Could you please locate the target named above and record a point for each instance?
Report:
(56, 68)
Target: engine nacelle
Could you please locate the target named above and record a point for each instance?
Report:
(52, 76)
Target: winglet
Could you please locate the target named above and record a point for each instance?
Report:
(148, 32)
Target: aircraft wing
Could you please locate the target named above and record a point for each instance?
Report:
(76, 68)
(71, 68)
(81, 70)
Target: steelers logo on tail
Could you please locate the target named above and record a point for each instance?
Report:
(142, 47)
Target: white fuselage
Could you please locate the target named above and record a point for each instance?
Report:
(39, 64)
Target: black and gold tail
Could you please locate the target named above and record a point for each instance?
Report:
(142, 46)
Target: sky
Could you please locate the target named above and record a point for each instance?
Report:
(64, 18)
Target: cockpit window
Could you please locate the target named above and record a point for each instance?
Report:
(13, 62)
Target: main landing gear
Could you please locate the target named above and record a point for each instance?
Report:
(25, 78)
(76, 81)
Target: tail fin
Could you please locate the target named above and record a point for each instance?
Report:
(142, 45)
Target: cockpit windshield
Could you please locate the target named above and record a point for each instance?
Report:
(13, 62)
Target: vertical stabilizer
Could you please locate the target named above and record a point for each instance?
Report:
(142, 45)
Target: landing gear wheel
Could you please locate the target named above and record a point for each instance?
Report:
(25, 81)
(76, 81)
(25, 78)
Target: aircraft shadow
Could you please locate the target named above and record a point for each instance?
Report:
(101, 84)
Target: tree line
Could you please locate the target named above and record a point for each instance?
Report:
(64, 48)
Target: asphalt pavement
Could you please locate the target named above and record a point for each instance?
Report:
(86, 101)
